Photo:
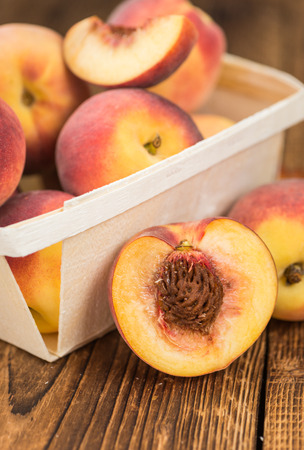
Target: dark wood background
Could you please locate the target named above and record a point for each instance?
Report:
(102, 396)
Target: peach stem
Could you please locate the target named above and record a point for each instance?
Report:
(153, 145)
(293, 273)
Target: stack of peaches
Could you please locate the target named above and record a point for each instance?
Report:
(188, 298)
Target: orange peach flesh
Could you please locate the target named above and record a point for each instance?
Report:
(247, 272)
(115, 56)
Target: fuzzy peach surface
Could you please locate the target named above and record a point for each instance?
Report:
(246, 270)
(103, 141)
(38, 275)
(36, 83)
(12, 151)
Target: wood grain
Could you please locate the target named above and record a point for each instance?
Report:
(284, 406)
(103, 396)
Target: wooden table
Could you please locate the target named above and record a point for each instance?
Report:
(103, 396)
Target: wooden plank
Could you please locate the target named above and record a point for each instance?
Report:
(103, 396)
(284, 406)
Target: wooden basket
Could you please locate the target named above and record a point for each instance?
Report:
(202, 181)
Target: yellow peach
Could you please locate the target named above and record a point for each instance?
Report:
(275, 212)
(12, 151)
(116, 133)
(36, 83)
(38, 274)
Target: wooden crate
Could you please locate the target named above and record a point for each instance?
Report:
(202, 181)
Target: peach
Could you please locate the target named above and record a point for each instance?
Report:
(189, 298)
(36, 83)
(37, 274)
(116, 133)
(211, 124)
(194, 81)
(111, 56)
(275, 212)
(12, 151)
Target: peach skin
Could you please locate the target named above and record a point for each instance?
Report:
(12, 151)
(211, 124)
(111, 56)
(116, 133)
(36, 83)
(189, 298)
(193, 82)
(38, 274)
(276, 213)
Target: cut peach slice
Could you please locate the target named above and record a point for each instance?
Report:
(190, 298)
(111, 56)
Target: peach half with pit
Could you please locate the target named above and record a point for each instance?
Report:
(275, 211)
(193, 82)
(12, 151)
(116, 133)
(38, 86)
(38, 274)
(111, 56)
(189, 298)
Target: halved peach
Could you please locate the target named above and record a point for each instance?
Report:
(112, 56)
(190, 298)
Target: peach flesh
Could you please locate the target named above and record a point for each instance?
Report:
(236, 257)
(38, 274)
(276, 213)
(117, 133)
(112, 56)
(12, 151)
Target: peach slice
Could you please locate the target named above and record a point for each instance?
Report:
(116, 133)
(38, 274)
(275, 212)
(193, 82)
(190, 298)
(113, 56)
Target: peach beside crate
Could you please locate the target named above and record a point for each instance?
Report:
(201, 181)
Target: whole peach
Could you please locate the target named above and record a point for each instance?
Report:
(116, 133)
(275, 212)
(37, 274)
(12, 151)
(194, 81)
(211, 124)
(37, 85)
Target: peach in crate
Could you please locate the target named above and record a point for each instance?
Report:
(203, 180)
